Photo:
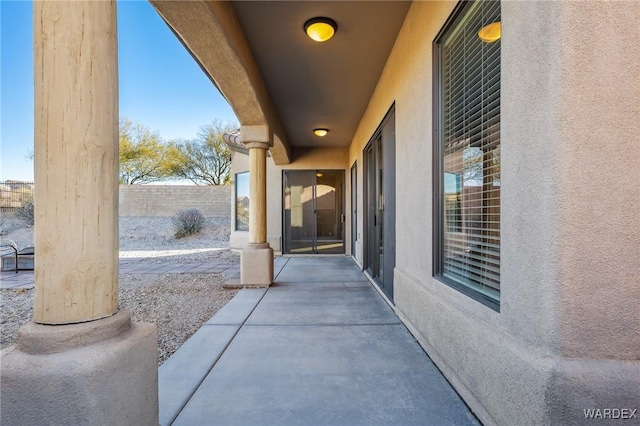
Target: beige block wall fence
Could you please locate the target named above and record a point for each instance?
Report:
(167, 200)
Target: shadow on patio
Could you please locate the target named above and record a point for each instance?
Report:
(319, 347)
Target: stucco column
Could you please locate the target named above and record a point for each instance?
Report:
(258, 192)
(80, 361)
(76, 161)
(256, 262)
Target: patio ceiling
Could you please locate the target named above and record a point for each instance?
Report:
(320, 85)
(259, 57)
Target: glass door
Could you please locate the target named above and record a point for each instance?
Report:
(330, 211)
(313, 211)
(379, 202)
(299, 212)
(354, 208)
(375, 209)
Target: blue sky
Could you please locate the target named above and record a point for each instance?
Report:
(161, 86)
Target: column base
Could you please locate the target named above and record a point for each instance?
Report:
(256, 266)
(99, 372)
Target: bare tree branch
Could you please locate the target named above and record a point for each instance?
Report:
(206, 160)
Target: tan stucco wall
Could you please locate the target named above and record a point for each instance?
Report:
(566, 338)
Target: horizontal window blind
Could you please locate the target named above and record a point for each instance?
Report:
(470, 151)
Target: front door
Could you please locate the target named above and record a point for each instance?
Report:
(380, 243)
(313, 211)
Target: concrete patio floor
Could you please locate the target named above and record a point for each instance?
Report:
(319, 347)
(24, 279)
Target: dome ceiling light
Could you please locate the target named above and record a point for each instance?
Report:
(490, 33)
(320, 29)
(320, 132)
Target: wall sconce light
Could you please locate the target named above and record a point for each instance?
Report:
(320, 132)
(320, 29)
(490, 33)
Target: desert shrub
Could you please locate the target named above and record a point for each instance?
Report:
(187, 222)
(25, 212)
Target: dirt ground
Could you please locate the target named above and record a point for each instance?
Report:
(177, 303)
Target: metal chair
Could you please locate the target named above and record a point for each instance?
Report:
(11, 247)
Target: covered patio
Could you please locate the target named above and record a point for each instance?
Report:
(319, 346)
(311, 340)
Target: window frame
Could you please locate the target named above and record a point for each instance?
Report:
(235, 208)
(438, 190)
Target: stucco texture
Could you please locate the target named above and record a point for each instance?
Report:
(566, 336)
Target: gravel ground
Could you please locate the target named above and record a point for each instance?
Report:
(177, 303)
(157, 234)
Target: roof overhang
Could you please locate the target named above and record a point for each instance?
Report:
(272, 74)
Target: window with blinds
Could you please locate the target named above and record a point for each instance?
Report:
(467, 150)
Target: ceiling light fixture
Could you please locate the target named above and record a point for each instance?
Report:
(320, 132)
(490, 33)
(320, 29)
